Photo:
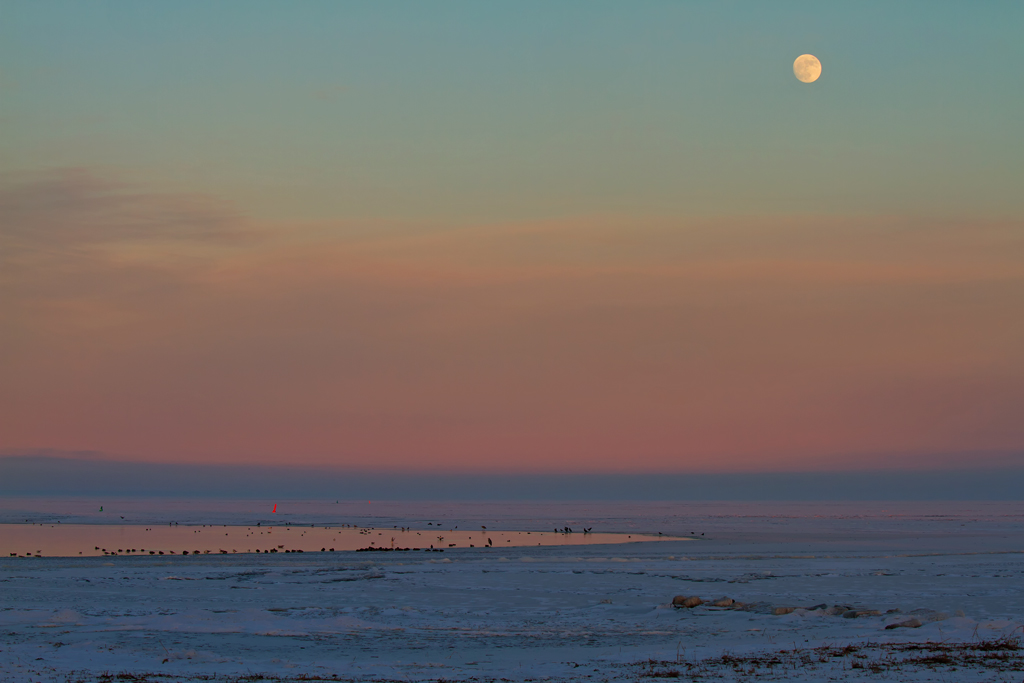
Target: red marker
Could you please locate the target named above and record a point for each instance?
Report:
(275, 508)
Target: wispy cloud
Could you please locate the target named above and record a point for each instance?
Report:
(68, 208)
(73, 239)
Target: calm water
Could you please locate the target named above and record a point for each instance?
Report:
(91, 540)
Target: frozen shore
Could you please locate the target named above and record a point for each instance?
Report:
(599, 613)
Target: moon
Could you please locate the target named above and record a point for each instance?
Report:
(807, 68)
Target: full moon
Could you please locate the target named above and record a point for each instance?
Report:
(807, 68)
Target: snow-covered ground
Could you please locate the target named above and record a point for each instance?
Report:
(598, 612)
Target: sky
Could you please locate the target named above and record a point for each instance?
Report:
(529, 237)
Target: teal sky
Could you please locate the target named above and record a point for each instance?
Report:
(513, 236)
(466, 110)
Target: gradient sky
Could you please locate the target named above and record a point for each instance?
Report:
(530, 236)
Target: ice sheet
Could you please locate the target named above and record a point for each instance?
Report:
(561, 613)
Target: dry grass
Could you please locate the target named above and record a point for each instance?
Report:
(887, 661)
(1001, 655)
